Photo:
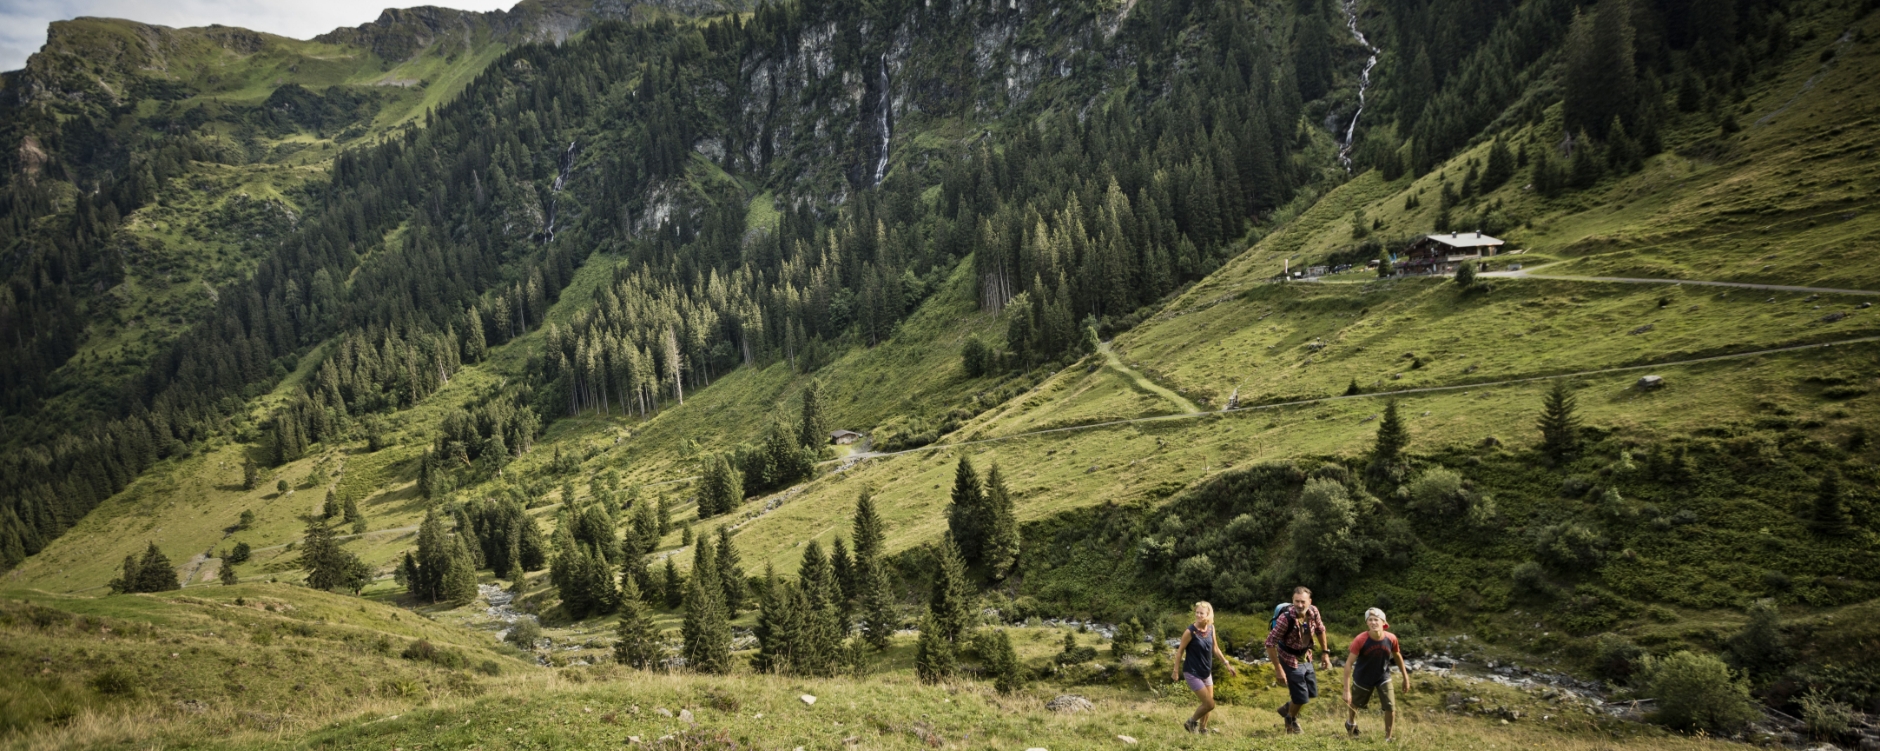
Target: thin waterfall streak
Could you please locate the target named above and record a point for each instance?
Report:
(1364, 83)
(881, 165)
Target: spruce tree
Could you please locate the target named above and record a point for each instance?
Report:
(706, 631)
(874, 601)
(674, 588)
(1128, 638)
(665, 517)
(1008, 674)
(227, 573)
(251, 473)
(934, 657)
(637, 644)
(773, 629)
(813, 428)
(1000, 550)
(330, 508)
(949, 605)
(842, 564)
(127, 579)
(730, 572)
(722, 488)
(1392, 437)
(458, 583)
(154, 572)
(327, 564)
(1828, 517)
(1560, 427)
(965, 514)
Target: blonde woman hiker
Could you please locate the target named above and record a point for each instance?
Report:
(1368, 673)
(1194, 664)
(1289, 645)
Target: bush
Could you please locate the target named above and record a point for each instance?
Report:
(1569, 545)
(1760, 647)
(1698, 692)
(1826, 718)
(524, 633)
(1616, 658)
(113, 681)
(1530, 579)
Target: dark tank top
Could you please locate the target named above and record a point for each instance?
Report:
(1198, 661)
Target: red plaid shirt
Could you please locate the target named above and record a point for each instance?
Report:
(1295, 633)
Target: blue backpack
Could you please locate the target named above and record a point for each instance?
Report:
(1277, 610)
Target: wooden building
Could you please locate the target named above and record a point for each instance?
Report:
(1440, 254)
(844, 437)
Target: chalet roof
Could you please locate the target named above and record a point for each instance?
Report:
(1465, 239)
(841, 433)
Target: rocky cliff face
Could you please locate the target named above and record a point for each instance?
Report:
(401, 33)
(828, 115)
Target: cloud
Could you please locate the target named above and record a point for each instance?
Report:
(23, 22)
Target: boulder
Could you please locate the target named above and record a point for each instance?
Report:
(1650, 382)
(1069, 703)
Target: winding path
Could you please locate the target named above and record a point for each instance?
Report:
(1528, 274)
(1143, 382)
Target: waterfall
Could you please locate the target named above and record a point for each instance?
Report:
(1364, 82)
(567, 161)
(882, 107)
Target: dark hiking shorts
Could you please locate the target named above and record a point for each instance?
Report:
(1302, 683)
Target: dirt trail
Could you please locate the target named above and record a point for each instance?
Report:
(1143, 382)
(1529, 274)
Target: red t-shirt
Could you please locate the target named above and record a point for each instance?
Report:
(1371, 659)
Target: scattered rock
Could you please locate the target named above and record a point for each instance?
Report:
(685, 715)
(1651, 382)
(1069, 703)
(633, 739)
(1368, 419)
(807, 699)
(1832, 317)
(662, 711)
(1644, 328)
(1126, 739)
(1866, 305)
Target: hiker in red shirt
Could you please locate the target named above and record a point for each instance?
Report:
(1289, 646)
(1368, 673)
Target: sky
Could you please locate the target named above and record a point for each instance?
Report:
(23, 22)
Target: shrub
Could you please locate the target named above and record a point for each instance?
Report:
(1530, 579)
(1697, 692)
(1616, 658)
(1760, 647)
(1826, 718)
(524, 633)
(113, 681)
(1569, 545)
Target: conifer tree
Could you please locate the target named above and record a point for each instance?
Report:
(674, 587)
(813, 428)
(251, 473)
(706, 631)
(1000, 549)
(227, 573)
(637, 644)
(949, 605)
(1392, 437)
(154, 572)
(126, 580)
(665, 517)
(327, 564)
(774, 631)
(1828, 516)
(330, 509)
(873, 599)
(458, 583)
(842, 565)
(1008, 674)
(1560, 427)
(730, 572)
(966, 514)
(935, 659)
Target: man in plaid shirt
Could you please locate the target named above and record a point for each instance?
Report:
(1289, 646)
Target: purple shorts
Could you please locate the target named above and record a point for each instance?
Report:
(1196, 684)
